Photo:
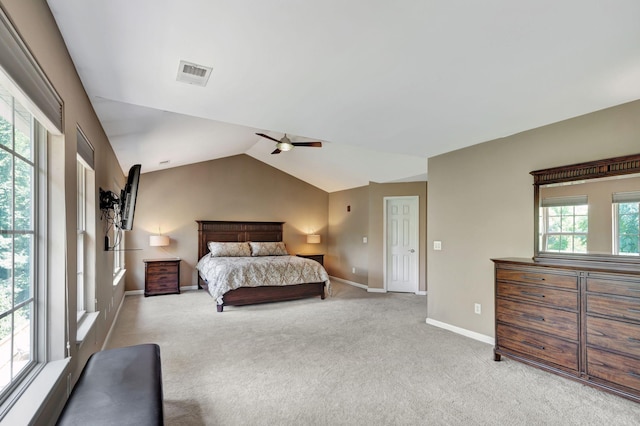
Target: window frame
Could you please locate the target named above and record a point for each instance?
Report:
(545, 225)
(616, 228)
(37, 300)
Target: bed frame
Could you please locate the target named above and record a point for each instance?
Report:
(225, 231)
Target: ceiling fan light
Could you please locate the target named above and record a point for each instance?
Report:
(284, 146)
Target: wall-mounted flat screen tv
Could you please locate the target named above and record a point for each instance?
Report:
(128, 197)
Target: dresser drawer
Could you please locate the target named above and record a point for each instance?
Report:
(615, 287)
(619, 307)
(614, 368)
(548, 320)
(550, 296)
(614, 335)
(530, 343)
(555, 280)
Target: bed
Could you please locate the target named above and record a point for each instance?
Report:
(256, 292)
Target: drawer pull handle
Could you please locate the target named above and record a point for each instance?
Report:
(635, 375)
(528, 293)
(535, 346)
(529, 277)
(533, 317)
(633, 340)
(637, 311)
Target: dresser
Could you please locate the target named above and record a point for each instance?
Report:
(577, 321)
(161, 276)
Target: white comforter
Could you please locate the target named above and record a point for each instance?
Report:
(228, 273)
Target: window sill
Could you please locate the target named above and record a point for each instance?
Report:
(119, 277)
(29, 404)
(85, 325)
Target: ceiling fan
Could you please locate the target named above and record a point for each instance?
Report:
(285, 143)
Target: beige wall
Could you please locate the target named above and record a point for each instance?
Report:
(233, 188)
(366, 219)
(38, 30)
(480, 205)
(346, 230)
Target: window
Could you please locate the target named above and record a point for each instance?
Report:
(626, 219)
(85, 233)
(18, 242)
(564, 224)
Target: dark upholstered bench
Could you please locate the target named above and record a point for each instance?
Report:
(120, 386)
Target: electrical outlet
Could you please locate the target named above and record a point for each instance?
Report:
(353, 270)
(437, 245)
(477, 308)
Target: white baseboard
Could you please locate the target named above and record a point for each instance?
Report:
(113, 323)
(467, 333)
(133, 292)
(365, 287)
(342, 280)
(189, 287)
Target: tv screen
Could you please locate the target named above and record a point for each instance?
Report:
(128, 198)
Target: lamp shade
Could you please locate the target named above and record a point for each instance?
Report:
(313, 239)
(159, 240)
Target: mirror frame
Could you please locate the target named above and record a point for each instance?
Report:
(617, 166)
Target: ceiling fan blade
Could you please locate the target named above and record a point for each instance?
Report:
(267, 136)
(311, 144)
(277, 151)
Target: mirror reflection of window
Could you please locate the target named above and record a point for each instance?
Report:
(564, 224)
(626, 219)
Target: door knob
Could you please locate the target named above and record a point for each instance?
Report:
(412, 251)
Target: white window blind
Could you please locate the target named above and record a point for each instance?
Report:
(23, 72)
(626, 197)
(573, 200)
(85, 150)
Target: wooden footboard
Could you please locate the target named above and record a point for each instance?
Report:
(251, 295)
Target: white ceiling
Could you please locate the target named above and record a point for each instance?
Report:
(383, 84)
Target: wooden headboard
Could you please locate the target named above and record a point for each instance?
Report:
(225, 231)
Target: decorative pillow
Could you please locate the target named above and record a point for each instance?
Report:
(229, 249)
(268, 249)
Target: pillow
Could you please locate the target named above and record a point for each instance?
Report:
(229, 249)
(268, 249)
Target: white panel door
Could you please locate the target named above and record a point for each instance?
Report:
(402, 244)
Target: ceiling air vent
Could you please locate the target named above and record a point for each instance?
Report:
(191, 73)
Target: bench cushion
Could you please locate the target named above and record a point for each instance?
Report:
(120, 386)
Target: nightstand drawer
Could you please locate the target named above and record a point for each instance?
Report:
(162, 268)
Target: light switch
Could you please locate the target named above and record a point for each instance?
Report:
(364, 240)
(437, 245)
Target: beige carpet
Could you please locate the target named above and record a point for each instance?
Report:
(356, 358)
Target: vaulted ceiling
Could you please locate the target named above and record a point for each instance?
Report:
(384, 85)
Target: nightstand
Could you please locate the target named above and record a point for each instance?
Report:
(317, 257)
(161, 276)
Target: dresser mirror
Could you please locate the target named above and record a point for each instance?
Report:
(588, 211)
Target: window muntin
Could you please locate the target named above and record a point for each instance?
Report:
(565, 228)
(18, 205)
